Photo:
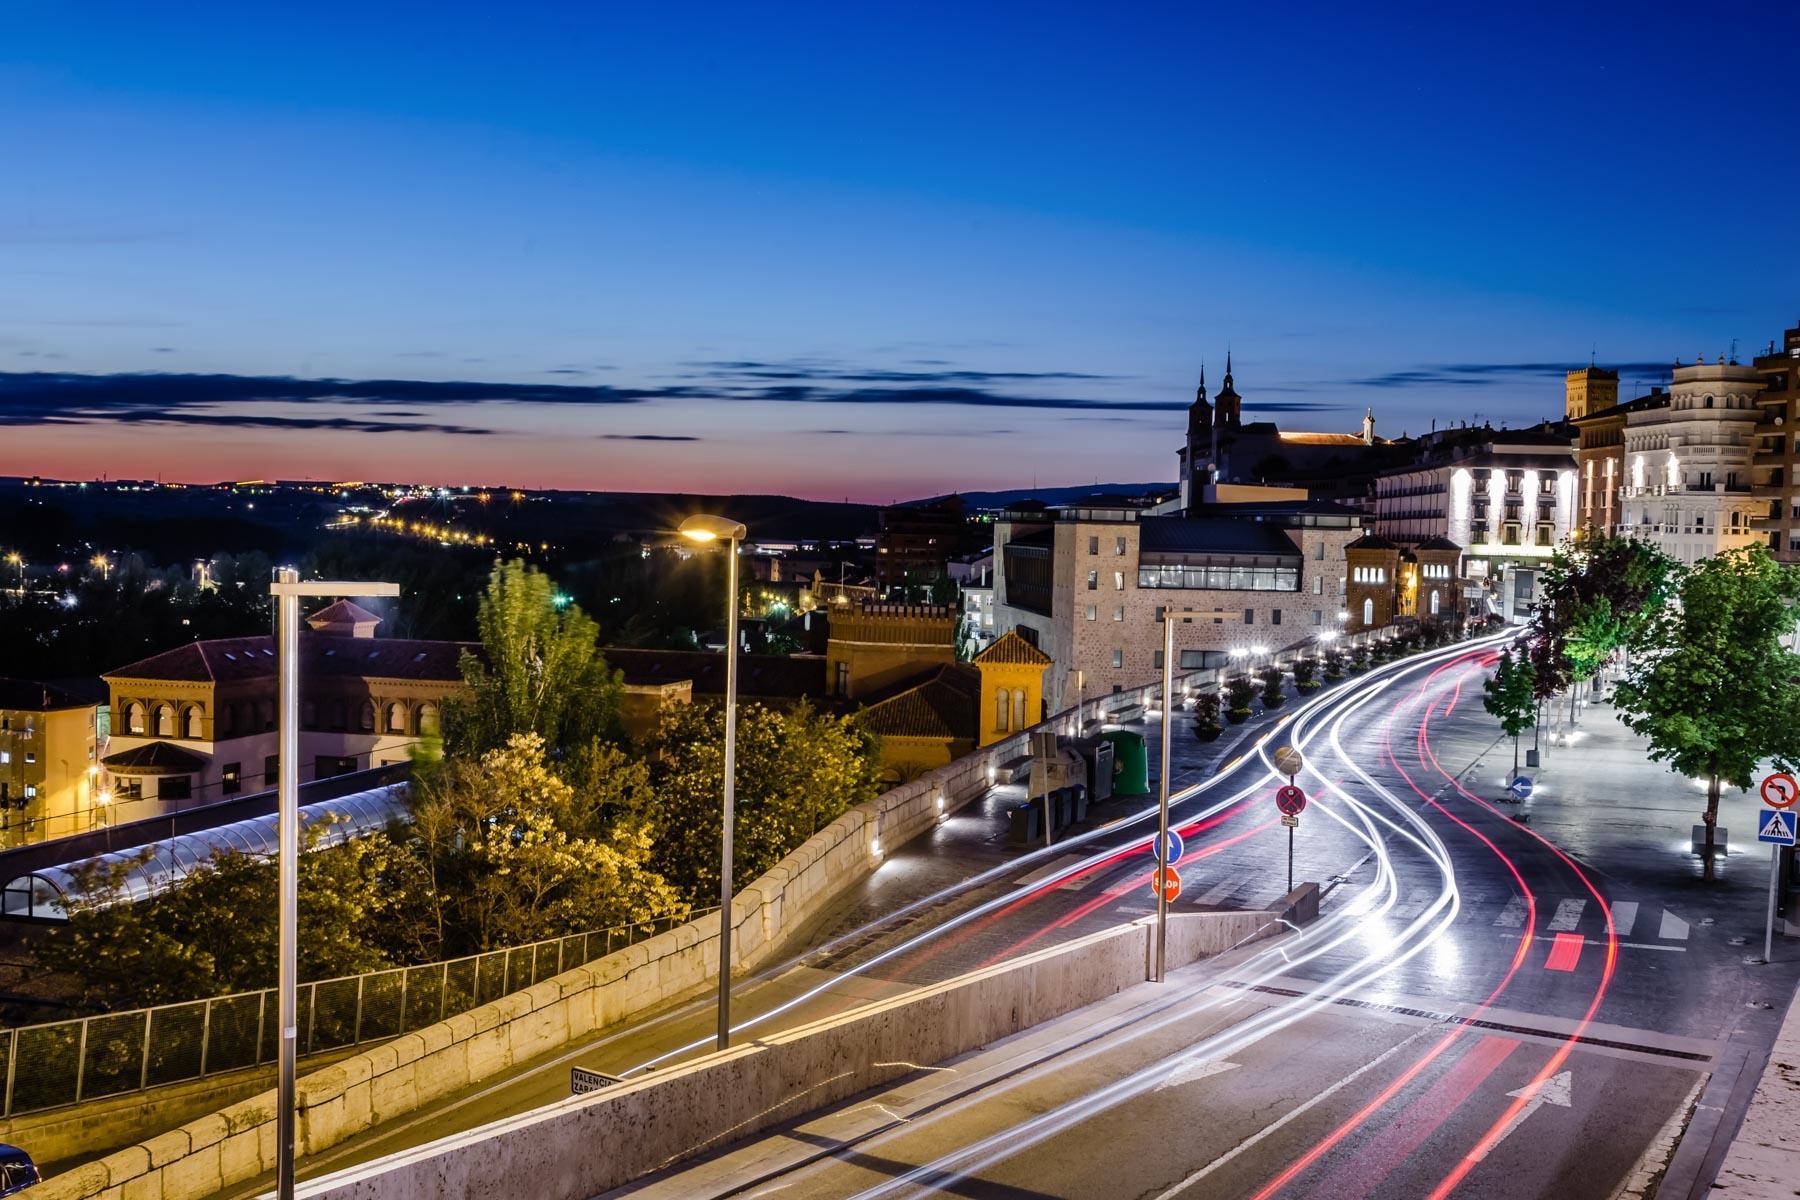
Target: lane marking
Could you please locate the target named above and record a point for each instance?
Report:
(1622, 945)
(1565, 952)
(1624, 917)
(1567, 916)
(1191, 1072)
(1673, 927)
(1513, 915)
(1558, 1090)
(1292, 1114)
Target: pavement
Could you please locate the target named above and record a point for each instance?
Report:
(1498, 1000)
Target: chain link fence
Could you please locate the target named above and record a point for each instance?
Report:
(69, 1062)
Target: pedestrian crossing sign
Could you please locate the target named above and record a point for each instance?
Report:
(1776, 826)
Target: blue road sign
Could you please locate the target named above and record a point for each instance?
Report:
(1776, 826)
(1175, 849)
(1520, 787)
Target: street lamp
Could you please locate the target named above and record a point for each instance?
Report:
(702, 528)
(288, 592)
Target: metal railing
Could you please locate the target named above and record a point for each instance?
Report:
(87, 1058)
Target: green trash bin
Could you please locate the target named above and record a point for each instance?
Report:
(1131, 763)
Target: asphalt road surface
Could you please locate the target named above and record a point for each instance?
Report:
(1477, 1012)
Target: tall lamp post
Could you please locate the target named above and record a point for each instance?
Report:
(288, 592)
(702, 528)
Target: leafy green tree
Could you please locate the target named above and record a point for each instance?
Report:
(797, 770)
(1509, 698)
(1596, 596)
(540, 670)
(1713, 688)
(1239, 691)
(1306, 672)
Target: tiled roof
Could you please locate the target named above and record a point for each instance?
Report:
(769, 676)
(155, 758)
(1324, 439)
(22, 695)
(321, 654)
(945, 704)
(1011, 648)
(1435, 542)
(342, 612)
(1371, 541)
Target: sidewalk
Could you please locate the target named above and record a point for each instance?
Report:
(1763, 1162)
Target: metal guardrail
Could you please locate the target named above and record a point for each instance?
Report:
(87, 1058)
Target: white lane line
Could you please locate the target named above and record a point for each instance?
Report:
(1513, 915)
(1673, 927)
(1622, 945)
(1290, 1115)
(1567, 916)
(1624, 915)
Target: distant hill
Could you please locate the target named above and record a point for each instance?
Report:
(1054, 495)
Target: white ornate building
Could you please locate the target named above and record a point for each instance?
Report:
(1688, 480)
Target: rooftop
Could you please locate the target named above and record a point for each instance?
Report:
(23, 695)
(944, 704)
(1214, 535)
(224, 660)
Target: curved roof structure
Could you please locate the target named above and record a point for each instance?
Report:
(46, 893)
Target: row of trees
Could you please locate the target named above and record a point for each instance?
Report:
(1713, 681)
(535, 817)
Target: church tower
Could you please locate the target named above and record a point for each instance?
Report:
(1199, 442)
(1590, 390)
(1230, 405)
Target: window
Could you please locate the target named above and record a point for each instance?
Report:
(192, 723)
(165, 721)
(1318, 617)
(1319, 551)
(1093, 545)
(340, 715)
(1368, 612)
(1118, 581)
(5, 757)
(1156, 660)
(428, 719)
(271, 769)
(175, 787)
(1093, 612)
(30, 757)
(1434, 602)
(233, 781)
(1318, 585)
(1119, 545)
(1274, 616)
(365, 720)
(1002, 709)
(1019, 721)
(843, 679)
(1706, 476)
(1118, 658)
(31, 791)
(396, 717)
(1249, 616)
(1119, 613)
(1093, 580)
(1191, 660)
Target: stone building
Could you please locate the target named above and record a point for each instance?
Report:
(1778, 446)
(1600, 461)
(197, 723)
(1088, 584)
(1391, 583)
(50, 740)
(1689, 464)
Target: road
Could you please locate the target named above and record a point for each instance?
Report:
(1477, 1012)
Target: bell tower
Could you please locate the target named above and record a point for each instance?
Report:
(1590, 390)
(1230, 405)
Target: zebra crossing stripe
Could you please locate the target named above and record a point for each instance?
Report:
(1624, 915)
(1673, 927)
(1567, 916)
(1513, 915)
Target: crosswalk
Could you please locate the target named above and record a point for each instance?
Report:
(1567, 915)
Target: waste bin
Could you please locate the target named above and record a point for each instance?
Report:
(1022, 825)
(1078, 802)
(1131, 763)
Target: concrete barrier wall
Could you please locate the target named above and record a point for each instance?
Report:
(606, 1140)
(388, 1081)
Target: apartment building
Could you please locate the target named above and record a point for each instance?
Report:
(50, 738)
(1778, 446)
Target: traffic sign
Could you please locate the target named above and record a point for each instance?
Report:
(1290, 800)
(1776, 825)
(1166, 883)
(1173, 851)
(1292, 821)
(1289, 762)
(1780, 790)
(583, 1081)
(1520, 787)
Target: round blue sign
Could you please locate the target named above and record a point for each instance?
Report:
(1175, 849)
(1520, 787)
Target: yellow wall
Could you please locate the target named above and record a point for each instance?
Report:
(1011, 678)
(882, 644)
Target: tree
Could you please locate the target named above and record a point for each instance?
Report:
(1272, 694)
(539, 671)
(1306, 673)
(1713, 689)
(1595, 598)
(1206, 717)
(797, 770)
(1238, 693)
(1509, 698)
(503, 850)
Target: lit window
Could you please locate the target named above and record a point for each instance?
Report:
(1118, 658)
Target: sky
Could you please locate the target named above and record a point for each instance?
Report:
(860, 251)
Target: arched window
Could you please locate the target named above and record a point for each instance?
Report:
(428, 718)
(165, 721)
(1019, 721)
(365, 720)
(1709, 402)
(1434, 602)
(396, 717)
(191, 723)
(134, 718)
(1368, 612)
(1002, 709)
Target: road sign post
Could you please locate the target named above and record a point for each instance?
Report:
(1292, 802)
(1162, 801)
(1520, 787)
(1777, 826)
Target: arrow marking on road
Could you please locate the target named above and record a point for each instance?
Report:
(1203, 1068)
(1557, 1091)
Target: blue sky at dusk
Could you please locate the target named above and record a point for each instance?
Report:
(855, 250)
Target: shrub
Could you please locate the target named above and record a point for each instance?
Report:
(1306, 672)
(1238, 693)
(1272, 695)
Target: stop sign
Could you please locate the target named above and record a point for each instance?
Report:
(1166, 883)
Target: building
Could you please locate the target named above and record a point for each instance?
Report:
(1391, 583)
(875, 645)
(50, 742)
(197, 723)
(957, 707)
(1690, 463)
(1778, 446)
(1600, 461)
(1223, 449)
(1088, 584)
(917, 542)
